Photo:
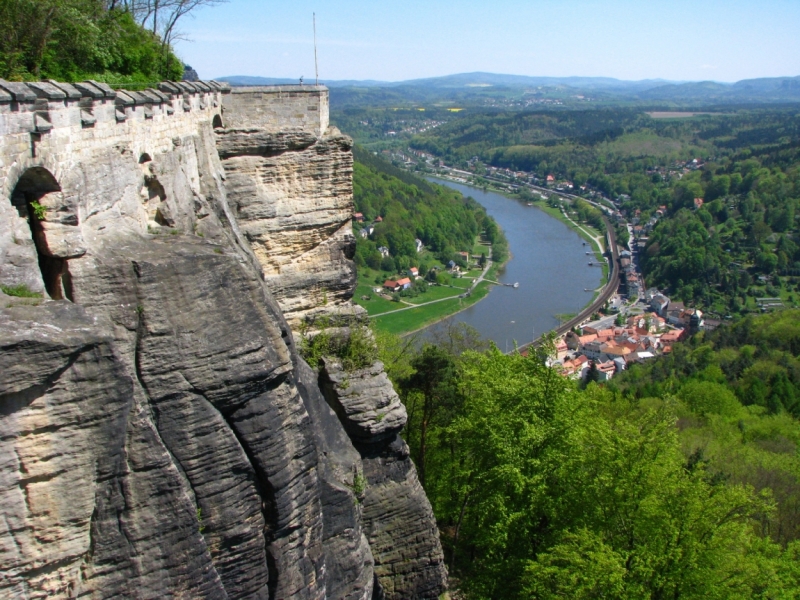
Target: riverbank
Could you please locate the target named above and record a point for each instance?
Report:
(405, 314)
(549, 262)
(539, 203)
(584, 230)
(438, 302)
(428, 320)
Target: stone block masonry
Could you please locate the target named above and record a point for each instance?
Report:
(279, 108)
(88, 146)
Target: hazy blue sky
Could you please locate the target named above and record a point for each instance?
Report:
(723, 40)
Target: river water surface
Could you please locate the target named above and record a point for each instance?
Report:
(548, 260)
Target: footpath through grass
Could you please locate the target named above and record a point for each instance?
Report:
(445, 298)
(414, 319)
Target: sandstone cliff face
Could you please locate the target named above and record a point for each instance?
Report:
(394, 503)
(159, 433)
(292, 194)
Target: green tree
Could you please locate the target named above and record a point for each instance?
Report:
(429, 391)
(387, 264)
(80, 39)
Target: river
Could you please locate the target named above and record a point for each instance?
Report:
(548, 260)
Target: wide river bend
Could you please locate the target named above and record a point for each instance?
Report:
(548, 260)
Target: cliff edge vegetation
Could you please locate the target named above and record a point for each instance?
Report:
(74, 40)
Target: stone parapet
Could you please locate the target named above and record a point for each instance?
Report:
(274, 108)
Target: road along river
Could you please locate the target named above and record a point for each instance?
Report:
(549, 261)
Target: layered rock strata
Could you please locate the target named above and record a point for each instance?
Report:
(292, 194)
(394, 503)
(160, 434)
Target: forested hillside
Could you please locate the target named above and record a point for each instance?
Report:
(73, 40)
(736, 242)
(411, 208)
(544, 490)
(741, 243)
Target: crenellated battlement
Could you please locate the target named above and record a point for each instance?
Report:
(58, 126)
(38, 107)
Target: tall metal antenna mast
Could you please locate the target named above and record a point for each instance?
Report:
(316, 69)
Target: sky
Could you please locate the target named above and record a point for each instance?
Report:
(389, 40)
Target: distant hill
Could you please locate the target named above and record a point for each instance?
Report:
(464, 86)
(465, 80)
(244, 80)
(760, 90)
(494, 79)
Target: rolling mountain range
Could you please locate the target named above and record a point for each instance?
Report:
(463, 85)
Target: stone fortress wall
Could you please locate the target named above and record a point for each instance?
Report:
(55, 124)
(289, 181)
(160, 434)
(278, 108)
(82, 147)
(296, 164)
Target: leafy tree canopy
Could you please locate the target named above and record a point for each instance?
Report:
(73, 40)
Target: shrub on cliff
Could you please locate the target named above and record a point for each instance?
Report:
(72, 40)
(355, 346)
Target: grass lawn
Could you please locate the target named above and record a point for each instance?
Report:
(376, 304)
(461, 282)
(413, 319)
(365, 287)
(416, 318)
(435, 292)
(479, 248)
(643, 144)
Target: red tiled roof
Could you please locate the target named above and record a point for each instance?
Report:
(672, 336)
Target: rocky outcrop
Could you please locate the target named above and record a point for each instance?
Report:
(365, 401)
(292, 194)
(348, 556)
(160, 434)
(394, 503)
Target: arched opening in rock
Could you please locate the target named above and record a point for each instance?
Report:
(153, 193)
(29, 198)
(217, 122)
